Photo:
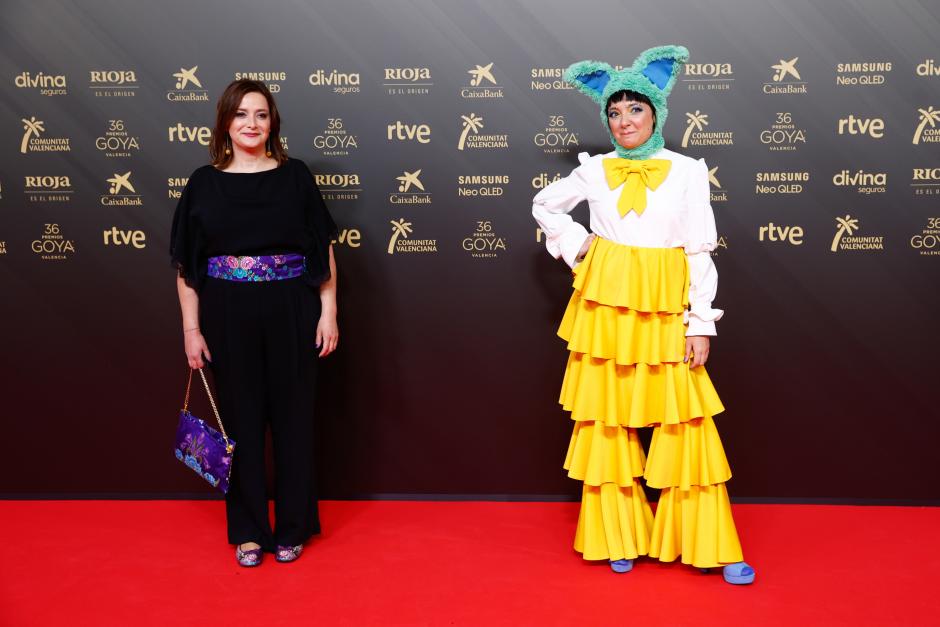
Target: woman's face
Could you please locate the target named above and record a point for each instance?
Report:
(251, 126)
(631, 122)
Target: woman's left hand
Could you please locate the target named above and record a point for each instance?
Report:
(698, 346)
(327, 334)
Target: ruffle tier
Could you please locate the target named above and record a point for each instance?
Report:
(686, 455)
(614, 522)
(599, 455)
(696, 524)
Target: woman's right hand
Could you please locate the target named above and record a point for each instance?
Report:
(195, 346)
(585, 246)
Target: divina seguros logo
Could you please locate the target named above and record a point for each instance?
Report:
(337, 82)
(46, 84)
(863, 182)
(187, 87)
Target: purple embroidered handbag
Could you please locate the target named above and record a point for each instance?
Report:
(202, 448)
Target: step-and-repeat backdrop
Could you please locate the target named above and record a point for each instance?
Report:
(429, 126)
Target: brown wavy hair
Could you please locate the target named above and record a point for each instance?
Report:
(225, 110)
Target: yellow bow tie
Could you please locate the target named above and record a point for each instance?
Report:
(638, 175)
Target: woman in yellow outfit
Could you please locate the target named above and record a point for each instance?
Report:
(638, 327)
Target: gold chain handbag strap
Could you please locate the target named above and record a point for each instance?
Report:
(215, 410)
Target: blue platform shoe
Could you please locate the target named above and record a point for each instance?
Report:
(739, 573)
(621, 566)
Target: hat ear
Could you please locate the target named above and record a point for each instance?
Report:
(589, 77)
(661, 66)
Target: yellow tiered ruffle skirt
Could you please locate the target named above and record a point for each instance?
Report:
(626, 334)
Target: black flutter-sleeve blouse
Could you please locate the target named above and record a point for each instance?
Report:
(273, 212)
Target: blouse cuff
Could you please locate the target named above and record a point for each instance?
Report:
(701, 320)
(570, 242)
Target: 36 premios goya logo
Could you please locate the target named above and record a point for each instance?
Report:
(410, 190)
(927, 130)
(36, 140)
(785, 78)
(339, 186)
(335, 140)
(48, 188)
(847, 239)
(402, 242)
(407, 81)
(51, 245)
(113, 83)
(780, 182)
(927, 242)
(697, 135)
(121, 192)
(556, 137)
(708, 76)
(45, 84)
(783, 135)
(862, 73)
(482, 185)
(482, 84)
(336, 81)
(483, 242)
(187, 87)
(116, 141)
(548, 79)
(471, 137)
(925, 181)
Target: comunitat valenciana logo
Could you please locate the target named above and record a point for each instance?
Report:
(482, 185)
(48, 188)
(780, 182)
(113, 83)
(472, 139)
(716, 192)
(846, 238)
(785, 78)
(483, 242)
(45, 84)
(401, 241)
(35, 140)
(548, 79)
(335, 140)
(337, 82)
(116, 141)
(407, 81)
(862, 73)
(272, 80)
(409, 190)
(927, 242)
(121, 192)
(556, 137)
(783, 135)
(482, 83)
(696, 135)
(339, 186)
(863, 182)
(51, 245)
(187, 87)
(708, 76)
(927, 130)
(925, 181)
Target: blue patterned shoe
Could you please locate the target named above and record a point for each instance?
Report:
(248, 558)
(621, 566)
(288, 553)
(739, 573)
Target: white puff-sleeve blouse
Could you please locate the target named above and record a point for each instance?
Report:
(678, 214)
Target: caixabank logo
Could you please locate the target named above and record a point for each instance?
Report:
(401, 241)
(52, 245)
(785, 79)
(113, 83)
(925, 181)
(409, 190)
(847, 239)
(272, 79)
(187, 87)
(780, 182)
(484, 242)
(35, 138)
(783, 135)
(407, 81)
(45, 84)
(548, 79)
(482, 84)
(482, 185)
(696, 134)
(927, 130)
(471, 137)
(927, 242)
(335, 140)
(708, 76)
(556, 137)
(175, 185)
(117, 141)
(717, 193)
(336, 81)
(121, 192)
(862, 181)
(48, 188)
(339, 187)
(862, 73)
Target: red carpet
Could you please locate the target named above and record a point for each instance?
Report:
(432, 563)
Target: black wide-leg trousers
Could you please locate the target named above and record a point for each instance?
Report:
(262, 337)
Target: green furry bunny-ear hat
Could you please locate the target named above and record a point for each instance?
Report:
(652, 74)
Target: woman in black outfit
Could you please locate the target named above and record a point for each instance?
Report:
(257, 285)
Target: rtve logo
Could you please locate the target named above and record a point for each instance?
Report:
(404, 132)
(774, 233)
(852, 125)
(118, 237)
(184, 134)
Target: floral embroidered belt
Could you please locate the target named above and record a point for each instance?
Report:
(264, 268)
